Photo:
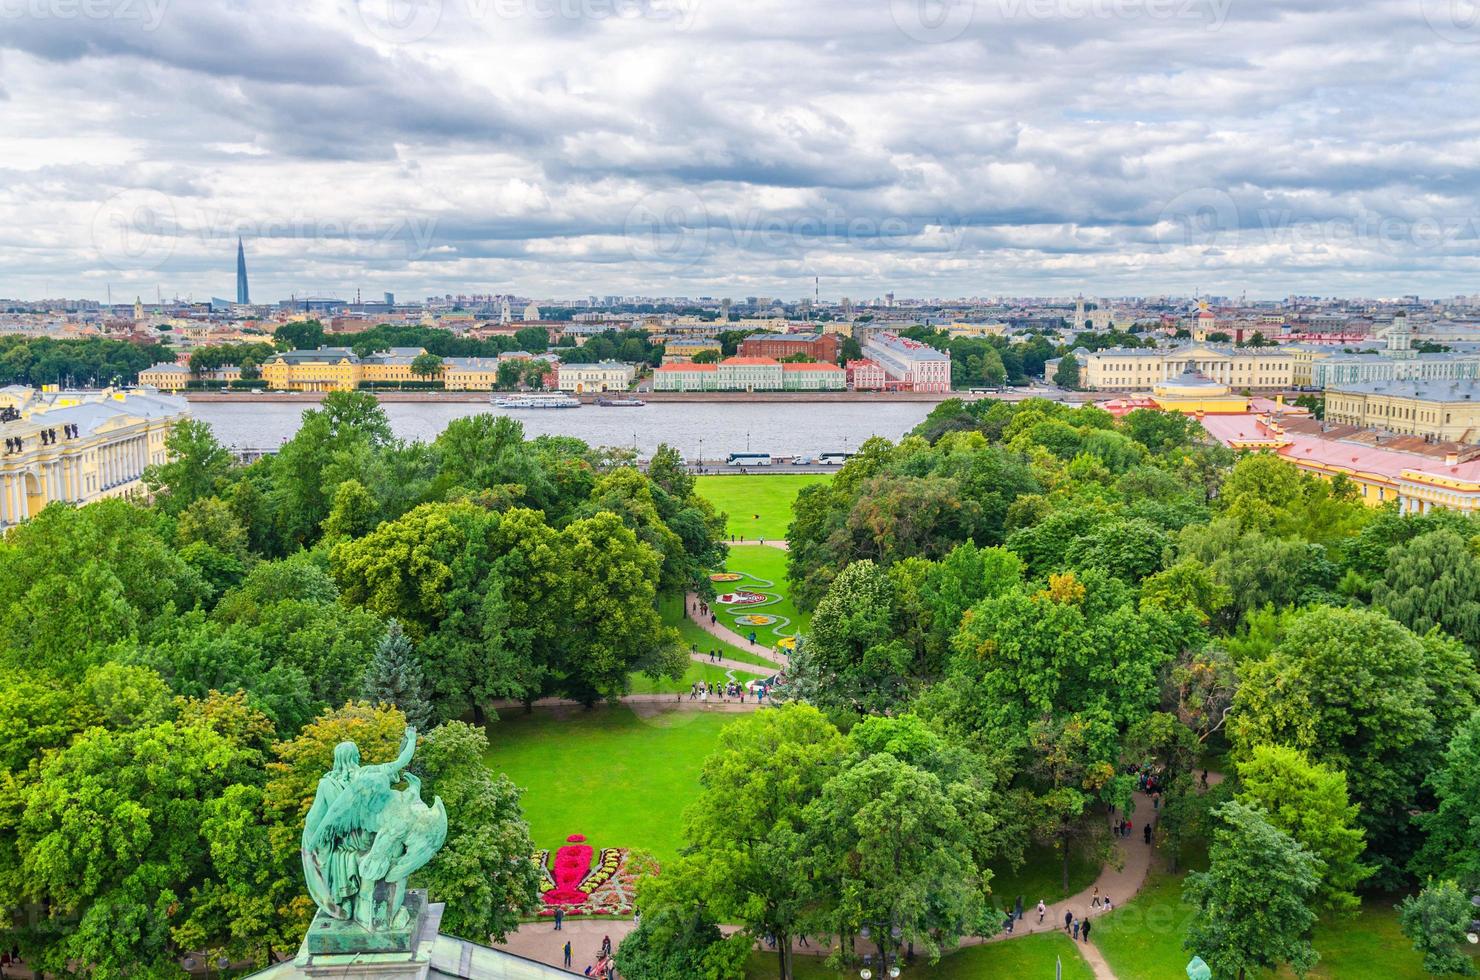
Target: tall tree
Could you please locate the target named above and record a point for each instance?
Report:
(1308, 801)
(1438, 920)
(1433, 580)
(1253, 904)
(195, 466)
(1451, 845)
(394, 677)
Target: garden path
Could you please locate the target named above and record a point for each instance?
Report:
(722, 632)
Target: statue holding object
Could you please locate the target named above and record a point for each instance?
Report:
(363, 838)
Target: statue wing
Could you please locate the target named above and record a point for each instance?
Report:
(357, 808)
(428, 831)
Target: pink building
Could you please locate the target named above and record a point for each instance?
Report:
(865, 375)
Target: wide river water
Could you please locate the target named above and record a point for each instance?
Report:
(699, 430)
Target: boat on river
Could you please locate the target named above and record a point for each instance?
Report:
(558, 399)
(606, 402)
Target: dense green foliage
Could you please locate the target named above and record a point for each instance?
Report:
(178, 672)
(94, 362)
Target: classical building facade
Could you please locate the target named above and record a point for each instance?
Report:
(749, 374)
(1142, 368)
(601, 376)
(166, 376)
(338, 368)
(909, 364)
(78, 447)
(1441, 411)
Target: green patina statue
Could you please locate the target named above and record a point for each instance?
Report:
(363, 838)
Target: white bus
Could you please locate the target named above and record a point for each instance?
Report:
(833, 459)
(748, 459)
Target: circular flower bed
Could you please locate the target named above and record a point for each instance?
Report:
(755, 619)
(740, 598)
(726, 577)
(787, 643)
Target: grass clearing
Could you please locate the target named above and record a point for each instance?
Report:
(620, 779)
(762, 564)
(709, 673)
(757, 506)
(1041, 877)
(693, 635)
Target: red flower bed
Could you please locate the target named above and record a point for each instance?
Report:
(572, 864)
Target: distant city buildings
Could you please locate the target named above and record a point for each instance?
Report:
(599, 377)
(749, 374)
(1441, 411)
(909, 364)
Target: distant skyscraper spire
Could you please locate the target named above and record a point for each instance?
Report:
(242, 294)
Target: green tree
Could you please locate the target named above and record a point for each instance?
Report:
(1360, 693)
(1433, 580)
(299, 335)
(746, 831)
(483, 872)
(1253, 904)
(1451, 845)
(195, 466)
(426, 366)
(706, 357)
(673, 944)
(1437, 920)
(394, 677)
(852, 643)
(1066, 375)
(893, 852)
(1308, 802)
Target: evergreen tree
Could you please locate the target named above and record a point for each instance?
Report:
(394, 677)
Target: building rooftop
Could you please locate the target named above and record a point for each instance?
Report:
(1426, 389)
(810, 366)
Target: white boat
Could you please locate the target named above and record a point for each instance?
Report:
(557, 399)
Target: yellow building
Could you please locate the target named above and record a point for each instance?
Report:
(470, 373)
(684, 351)
(338, 369)
(1441, 411)
(166, 376)
(602, 376)
(1191, 394)
(78, 446)
(1142, 368)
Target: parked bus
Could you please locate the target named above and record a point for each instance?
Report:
(748, 459)
(833, 459)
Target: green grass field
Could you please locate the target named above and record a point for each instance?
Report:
(1142, 940)
(762, 564)
(709, 673)
(758, 506)
(1028, 958)
(621, 780)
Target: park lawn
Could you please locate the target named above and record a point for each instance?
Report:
(1030, 957)
(620, 779)
(1369, 947)
(1142, 939)
(709, 673)
(757, 506)
(769, 565)
(1041, 877)
(693, 635)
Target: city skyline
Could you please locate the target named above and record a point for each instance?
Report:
(936, 149)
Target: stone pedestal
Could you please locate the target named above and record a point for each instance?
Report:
(341, 949)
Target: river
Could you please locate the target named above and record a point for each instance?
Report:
(699, 430)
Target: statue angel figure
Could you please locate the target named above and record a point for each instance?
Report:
(362, 833)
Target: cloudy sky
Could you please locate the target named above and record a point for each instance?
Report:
(734, 147)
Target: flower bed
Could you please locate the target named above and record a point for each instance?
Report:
(755, 619)
(572, 885)
(740, 598)
(726, 577)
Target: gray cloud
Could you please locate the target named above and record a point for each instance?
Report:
(565, 147)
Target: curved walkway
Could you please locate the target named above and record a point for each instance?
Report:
(722, 632)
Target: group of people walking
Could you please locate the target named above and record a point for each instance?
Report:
(703, 690)
(605, 966)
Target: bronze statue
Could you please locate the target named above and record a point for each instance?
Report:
(363, 838)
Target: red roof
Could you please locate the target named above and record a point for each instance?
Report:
(686, 367)
(751, 361)
(810, 366)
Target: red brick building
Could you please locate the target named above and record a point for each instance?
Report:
(818, 346)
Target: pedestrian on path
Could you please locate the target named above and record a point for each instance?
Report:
(1126, 830)
(1041, 910)
(1084, 932)
(1017, 907)
(1076, 930)
(1007, 926)
(559, 917)
(1146, 833)
(1094, 901)
(1068, 919)
(567, 954)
